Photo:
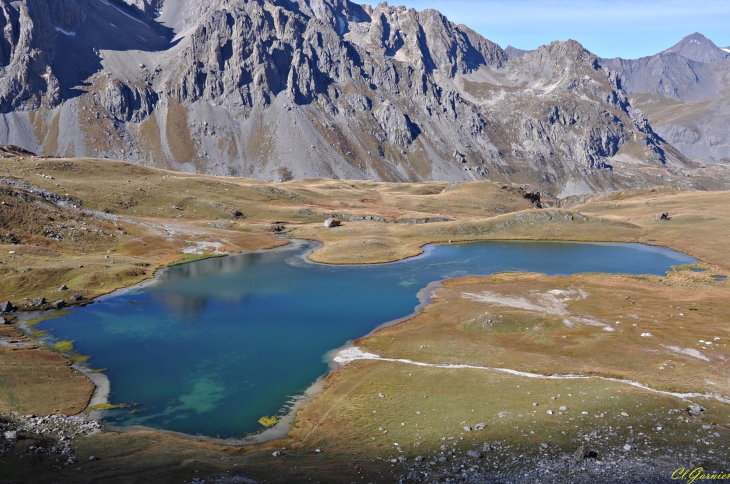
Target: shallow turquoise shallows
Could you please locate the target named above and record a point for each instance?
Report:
(214, 345)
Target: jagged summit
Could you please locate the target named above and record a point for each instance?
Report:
(699, 48)
(296, 88)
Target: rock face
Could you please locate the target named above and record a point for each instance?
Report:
(282, 89)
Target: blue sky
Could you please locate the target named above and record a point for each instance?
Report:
(619, 28)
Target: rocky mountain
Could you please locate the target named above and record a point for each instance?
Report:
(282, 89)
(698, 48)
(685, 93)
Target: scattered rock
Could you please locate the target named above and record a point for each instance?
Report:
(318, 450)
(277, 453)
(475, 454)
(419, 458)
(646, 335)
(563, 408)
(662, 216)
(624, 414)
(443, 459)
(59, 304)
(549, 412)
(627, 447)
(403, 458)
(381, 395)
(4, 320)
(331, 223)
(76, 297)
(468, 429)
(11, 435)
(480, 426)
(63, 288)
(6, 307)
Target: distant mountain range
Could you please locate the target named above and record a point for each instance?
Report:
(685, 93)
(282, 89)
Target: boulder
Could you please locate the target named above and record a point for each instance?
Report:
(582, 454)
(59, 304)
(696, 410)
(4, 320)
(662, 216)
(76, 297)
(38, 302)
(6, 307)
(480, 426)
(63, 288)
(331, 223)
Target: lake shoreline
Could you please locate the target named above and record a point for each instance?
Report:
(283, 427)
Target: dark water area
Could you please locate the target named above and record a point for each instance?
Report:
(214, 345)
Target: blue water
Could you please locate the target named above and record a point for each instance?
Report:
(214, 345)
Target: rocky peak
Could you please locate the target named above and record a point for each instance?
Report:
(698, 48)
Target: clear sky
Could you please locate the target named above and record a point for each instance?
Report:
(618, 28)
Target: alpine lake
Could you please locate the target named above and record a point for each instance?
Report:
(210, 347)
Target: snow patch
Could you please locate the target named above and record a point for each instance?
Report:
(200, 248)
(551, 302)
(64, 32)
(688, 351)
(726, 49)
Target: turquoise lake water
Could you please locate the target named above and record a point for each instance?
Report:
(214, 345)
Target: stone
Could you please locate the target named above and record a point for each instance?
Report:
(696, 410)
(318, 450)
(419, 458)
(63, 288)
(443, 459)
(59, 304)
(6, 307)
(563, 408)
(76, 297)
(480, 426)
(277, 453)
(467, 429)
(475, 454)
(38, 302)
(4, 320)
(403, 458)
(627, 447)
(381, 395)
(331, 223)
(549, 412)
(662, 216)
(624, 414)
(11, 435)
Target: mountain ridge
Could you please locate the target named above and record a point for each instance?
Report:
(290, 89)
